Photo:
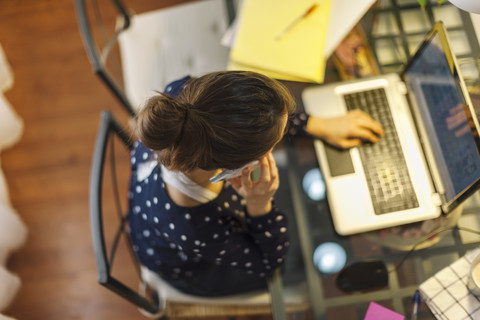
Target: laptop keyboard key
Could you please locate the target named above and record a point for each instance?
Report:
(384, 165)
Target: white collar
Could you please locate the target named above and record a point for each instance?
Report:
(188, 187)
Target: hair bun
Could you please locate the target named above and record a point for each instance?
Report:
(160, 122)
(187, 107)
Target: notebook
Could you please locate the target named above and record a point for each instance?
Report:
(426, 164)
(446, 293)
(283, 39)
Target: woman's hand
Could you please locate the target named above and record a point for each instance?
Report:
(346, 131)
(258, 195)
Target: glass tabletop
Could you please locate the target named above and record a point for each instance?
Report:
(311, 226)
(310, 221)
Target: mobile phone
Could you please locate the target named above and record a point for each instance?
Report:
(233, 173)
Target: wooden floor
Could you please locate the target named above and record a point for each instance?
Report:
(59, 99)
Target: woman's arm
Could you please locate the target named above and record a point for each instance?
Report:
(350, 130)
(346, 131)
(257, 249)
(262, 245)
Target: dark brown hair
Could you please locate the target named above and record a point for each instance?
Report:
(220, 120)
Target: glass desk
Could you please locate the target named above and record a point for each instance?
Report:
(313, 222)
(390, 30)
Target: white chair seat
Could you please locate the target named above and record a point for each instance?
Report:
(164, 45)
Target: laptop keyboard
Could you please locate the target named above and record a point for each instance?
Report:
(383, 162)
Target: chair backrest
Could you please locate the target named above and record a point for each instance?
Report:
(100, 43)
(102, 23)
(106, 242)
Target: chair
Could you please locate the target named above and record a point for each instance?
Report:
(99, 45)
(134, 54)
(145, 289)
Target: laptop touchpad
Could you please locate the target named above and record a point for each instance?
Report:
(339, 161)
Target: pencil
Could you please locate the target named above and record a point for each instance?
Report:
(296, 21)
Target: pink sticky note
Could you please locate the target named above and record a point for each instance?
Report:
(378, 312)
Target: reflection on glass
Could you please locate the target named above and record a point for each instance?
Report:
(313, 185)
(329, 257)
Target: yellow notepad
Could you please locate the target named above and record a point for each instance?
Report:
(298, 54)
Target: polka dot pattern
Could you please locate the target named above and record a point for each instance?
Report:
(297, 124)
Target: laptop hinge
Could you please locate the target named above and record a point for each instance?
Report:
(401, 87)
(438, 199)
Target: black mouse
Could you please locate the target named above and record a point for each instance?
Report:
(363, 275)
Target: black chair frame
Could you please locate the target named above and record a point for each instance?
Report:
(109, 127)
(98, 58)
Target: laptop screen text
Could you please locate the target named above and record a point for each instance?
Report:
(435, 84)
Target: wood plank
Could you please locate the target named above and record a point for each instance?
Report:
(60, 100)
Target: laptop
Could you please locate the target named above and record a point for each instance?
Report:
(428, 161)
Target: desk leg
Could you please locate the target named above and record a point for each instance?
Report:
(313, 277)
(275, 288)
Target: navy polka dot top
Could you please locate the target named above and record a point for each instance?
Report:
(182, 242)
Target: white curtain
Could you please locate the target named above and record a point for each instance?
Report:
(13, 231)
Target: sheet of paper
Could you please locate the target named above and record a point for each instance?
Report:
(272, 74)
(344, 15)
(446, 293)
(298, 54)
(379, 312)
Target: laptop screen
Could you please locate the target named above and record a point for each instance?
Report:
(433, 79)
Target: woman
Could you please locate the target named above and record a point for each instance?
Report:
(211, 239)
